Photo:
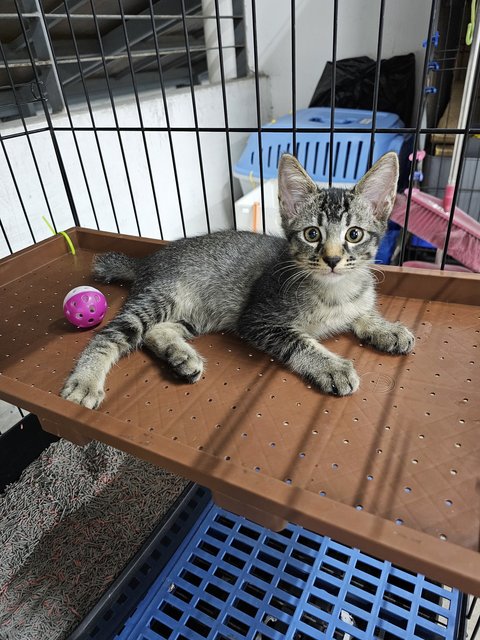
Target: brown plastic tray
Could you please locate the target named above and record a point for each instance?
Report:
(393, 469)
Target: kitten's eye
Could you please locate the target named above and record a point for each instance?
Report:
(354, 234)
(312, 234)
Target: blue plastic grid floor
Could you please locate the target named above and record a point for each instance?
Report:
(234, 580)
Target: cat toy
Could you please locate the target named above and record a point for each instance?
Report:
(84, 307)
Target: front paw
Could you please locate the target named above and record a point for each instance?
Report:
(85, 391)
(337, 376)
(394, 338)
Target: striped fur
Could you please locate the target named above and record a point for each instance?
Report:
(280, 295)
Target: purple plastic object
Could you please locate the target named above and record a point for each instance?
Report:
(85, 307)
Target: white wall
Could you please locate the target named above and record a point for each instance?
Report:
(405, 27)
(241, 113)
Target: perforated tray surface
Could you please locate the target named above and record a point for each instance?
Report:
(393, 469)
(234, 580)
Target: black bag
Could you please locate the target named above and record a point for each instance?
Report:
(354, 83)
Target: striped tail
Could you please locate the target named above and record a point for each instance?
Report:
(112, 266)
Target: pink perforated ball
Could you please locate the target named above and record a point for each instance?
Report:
(85, 307)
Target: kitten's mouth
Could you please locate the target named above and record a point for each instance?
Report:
(321, 271)
(329, 275)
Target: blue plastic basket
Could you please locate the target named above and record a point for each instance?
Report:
(350, 153)
(234, 580)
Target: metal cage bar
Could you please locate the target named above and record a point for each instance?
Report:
(294, 78)
(474, 130)
(376, 86)
(225, 110)
(27, 135)
(195, 115)
(469, 118)
(167, 116)
(53, 137)
(258, 110)
(69, 116)
(416, 134)
(442, 76)
(90, 111)
(140, 117)
(19, 195)
(332, 91)
(115, 117)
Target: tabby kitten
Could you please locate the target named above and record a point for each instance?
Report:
(281, 295)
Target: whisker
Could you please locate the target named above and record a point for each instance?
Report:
(284, 269)
(290, 281)
(372, 268)
(289, 277)
(299, 282)
(377, 271)
(296, 278)
(285, 266)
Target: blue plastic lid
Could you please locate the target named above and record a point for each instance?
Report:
(349, 118)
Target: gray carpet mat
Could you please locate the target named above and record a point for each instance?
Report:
(68, 526)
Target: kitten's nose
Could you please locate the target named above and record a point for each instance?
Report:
(332, 261)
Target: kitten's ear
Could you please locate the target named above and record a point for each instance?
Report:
(379, 185)
(294, 185)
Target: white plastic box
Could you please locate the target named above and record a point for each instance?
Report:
(248, 210)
